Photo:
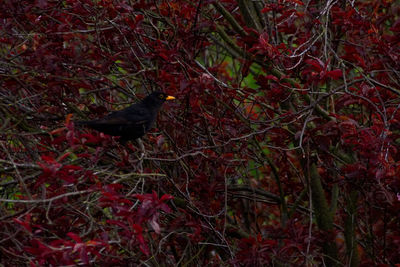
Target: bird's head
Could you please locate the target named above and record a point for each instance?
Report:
(156, 99)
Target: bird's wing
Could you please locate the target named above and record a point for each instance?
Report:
(119, 120)
(125, 117)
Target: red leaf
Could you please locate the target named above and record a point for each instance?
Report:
(74, 237)
(164, 56)
(155, 225)
(334, 74)
(142, 244)
(166, 197)
(272, 77)
(264, 39)
(24, 224)
(84, 255)
(164, 207)
(315, 64)
(64, 156)
(48, 159)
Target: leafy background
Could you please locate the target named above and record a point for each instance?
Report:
(281, 148)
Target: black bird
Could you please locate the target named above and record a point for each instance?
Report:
(132, 122)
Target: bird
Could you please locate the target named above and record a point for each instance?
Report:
(132, 122)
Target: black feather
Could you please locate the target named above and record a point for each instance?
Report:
(132, 122)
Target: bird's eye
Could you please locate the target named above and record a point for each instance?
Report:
(161, 96)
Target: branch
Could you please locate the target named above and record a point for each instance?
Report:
(45, 200)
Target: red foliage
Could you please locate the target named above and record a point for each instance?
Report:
(266, 94)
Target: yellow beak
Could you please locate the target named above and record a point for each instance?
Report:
(170, 98)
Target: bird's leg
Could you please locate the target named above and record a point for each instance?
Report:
(142, 149)
(142, 153)
(137, 162)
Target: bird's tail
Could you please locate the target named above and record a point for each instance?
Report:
(82, 123)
